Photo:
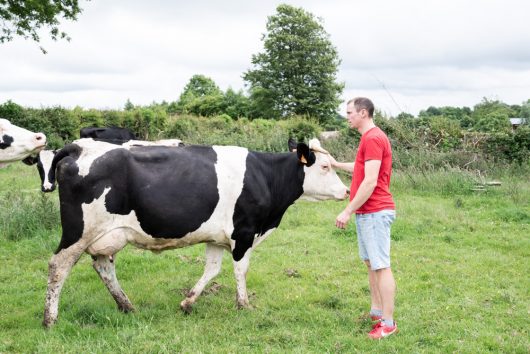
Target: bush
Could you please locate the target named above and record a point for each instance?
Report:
(301, 129)
(64, 125)
(90, 118)
(182, 128)
(510, 146)
(147, 123)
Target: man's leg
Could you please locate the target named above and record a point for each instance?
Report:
(386, 287)
(375, 232)
(377, 303)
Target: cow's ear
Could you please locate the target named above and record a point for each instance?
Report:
(31, 160)
(292, 144)
(306, 156)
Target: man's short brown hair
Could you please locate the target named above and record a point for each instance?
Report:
(363, 103)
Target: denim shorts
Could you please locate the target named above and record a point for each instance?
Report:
(373, 236)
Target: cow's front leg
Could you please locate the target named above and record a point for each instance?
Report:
(214, 260)
(240, 271)
(58, 269)
(104, 266)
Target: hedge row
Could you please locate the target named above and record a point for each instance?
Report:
(434, 142)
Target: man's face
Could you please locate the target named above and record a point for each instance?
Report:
(354, 117)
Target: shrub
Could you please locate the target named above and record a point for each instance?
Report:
(147, 123)
(510, 146)
(182, 128)
(90, 118)
(301, 129)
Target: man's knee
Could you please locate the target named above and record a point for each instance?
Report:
(384, 270)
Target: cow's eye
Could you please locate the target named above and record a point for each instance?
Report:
(325, 167)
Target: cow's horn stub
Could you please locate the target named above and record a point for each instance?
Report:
(314, 145)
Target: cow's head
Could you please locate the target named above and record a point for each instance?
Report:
(321, 182)
(44, 164)
(17, 143)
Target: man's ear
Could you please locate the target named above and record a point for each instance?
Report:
(305, 155)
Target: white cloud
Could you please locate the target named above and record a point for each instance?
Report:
(406, 55)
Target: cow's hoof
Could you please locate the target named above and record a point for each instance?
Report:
(48, 323)
(186, 307)
(126, 308)
(244, 306)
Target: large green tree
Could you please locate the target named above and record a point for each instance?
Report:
(200, 96)
(492, 116)
(26, 17)
(296, 73)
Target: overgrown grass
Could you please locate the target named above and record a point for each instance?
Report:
(460, 260)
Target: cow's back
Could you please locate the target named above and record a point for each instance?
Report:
(110, 133)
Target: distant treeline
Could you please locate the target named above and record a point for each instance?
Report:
(437, 137)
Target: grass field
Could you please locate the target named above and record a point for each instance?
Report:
(461, 262)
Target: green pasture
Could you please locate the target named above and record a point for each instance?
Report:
(460, 258)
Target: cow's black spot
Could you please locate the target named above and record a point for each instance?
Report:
(271, 184)
(7, 140)
(172, 191)
(117, 133)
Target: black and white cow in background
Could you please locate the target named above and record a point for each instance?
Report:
(107, 133)
(158, 198)
(45, 158)
(17, 143)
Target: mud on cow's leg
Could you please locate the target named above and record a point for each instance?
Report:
(59, 267)
(105, 268)
(214, 260)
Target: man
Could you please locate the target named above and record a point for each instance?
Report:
(371, 201)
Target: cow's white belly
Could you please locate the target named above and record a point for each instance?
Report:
(114, 240)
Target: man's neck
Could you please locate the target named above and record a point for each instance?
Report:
(366, 127)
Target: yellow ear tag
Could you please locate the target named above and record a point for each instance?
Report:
(303, 160)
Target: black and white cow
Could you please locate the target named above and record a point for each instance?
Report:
(45, 158)
(158, 198)
(17, 143)
(107, 133)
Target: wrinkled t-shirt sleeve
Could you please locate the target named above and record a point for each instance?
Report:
(374, 149)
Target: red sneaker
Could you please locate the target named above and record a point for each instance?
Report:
(381, 331)
(375, 320)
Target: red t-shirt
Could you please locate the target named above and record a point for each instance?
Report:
(374, 145)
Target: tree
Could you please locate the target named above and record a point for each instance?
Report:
(296, 73)
(25, 18)
(236, 103)
(129, 106)
(197, 88)
(462, 115)
(524, 112)
(491, 116)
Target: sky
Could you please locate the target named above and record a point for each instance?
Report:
(405, 55)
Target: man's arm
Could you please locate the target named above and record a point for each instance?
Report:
(346, 166)
(371, 172)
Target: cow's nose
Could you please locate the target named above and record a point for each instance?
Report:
(40, 138)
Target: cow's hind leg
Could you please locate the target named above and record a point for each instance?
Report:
(214, 259)
(104, 266)
(58, 269)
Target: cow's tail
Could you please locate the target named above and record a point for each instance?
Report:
(70, 150)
